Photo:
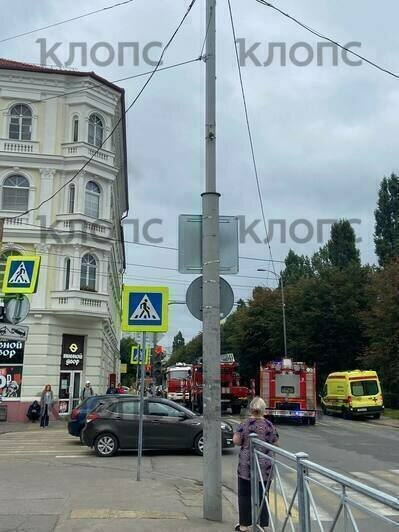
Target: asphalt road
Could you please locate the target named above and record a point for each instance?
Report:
(51, 469)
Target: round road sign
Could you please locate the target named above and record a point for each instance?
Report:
(194, 298)
(16, 309)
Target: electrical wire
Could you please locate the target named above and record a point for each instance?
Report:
(95, 84)
(118, 121)
(65, 21)
(321, 36)
(124, 241)
(251, 143)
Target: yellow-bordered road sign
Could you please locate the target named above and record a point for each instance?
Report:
(123, 368)
(135, 355)
(21, 274)
(145, 309)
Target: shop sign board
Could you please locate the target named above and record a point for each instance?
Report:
(10, 381)
(72, 352)
(11, 352)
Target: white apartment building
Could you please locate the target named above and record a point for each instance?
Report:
(52, 123)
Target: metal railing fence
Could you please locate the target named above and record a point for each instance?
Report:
(293, 505)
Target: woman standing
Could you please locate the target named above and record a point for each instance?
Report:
(46, 403)
(266, 432)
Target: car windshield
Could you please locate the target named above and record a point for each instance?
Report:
(178, 374)
(364, 388)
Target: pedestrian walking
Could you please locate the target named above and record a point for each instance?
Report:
(33, 413)
(46, 404)
(87, 391)
(112, 389)
(256, 423)
(120, 389)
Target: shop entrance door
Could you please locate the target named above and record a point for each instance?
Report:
(69, 391)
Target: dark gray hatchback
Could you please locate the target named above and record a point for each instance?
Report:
(114, 426)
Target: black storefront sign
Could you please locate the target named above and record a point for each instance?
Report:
(72, 352)
(12, 352)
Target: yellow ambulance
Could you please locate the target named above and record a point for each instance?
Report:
(352, 393)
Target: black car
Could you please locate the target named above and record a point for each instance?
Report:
(114, 426)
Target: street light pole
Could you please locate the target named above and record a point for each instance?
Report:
(280, 278)
(212, 464)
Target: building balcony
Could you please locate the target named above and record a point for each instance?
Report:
(82, 149)
(86, 227)
(19, 146)
(80, 303)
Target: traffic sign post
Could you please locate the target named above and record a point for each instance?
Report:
(16, 309)
(194, 297)
(135, 357)
(21, 274)
(145, 309)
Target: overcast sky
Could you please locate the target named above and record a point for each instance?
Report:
(324, 135)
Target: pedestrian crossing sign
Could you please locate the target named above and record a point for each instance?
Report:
(21, 274)
(135, 357)
(145, 309)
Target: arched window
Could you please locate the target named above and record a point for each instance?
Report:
(15, 194)
(88, 273)
(96, 130)
(3, 259)
(92, 200)
(67, 278)
(20, 122)
(71, 199)
(75, 129)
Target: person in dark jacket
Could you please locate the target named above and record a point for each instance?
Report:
(112, 390)
(33, 412)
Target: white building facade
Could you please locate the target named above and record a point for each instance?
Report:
(53, 123)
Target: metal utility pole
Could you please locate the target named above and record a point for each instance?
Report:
(141, 420)
(211, 291)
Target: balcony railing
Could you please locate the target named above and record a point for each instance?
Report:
(79, 302)
(19, 146)
(82, 149)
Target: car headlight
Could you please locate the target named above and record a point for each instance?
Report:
(226, 427)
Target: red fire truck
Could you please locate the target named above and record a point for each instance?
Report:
(289, 390)
(233, 395)
(176, 381)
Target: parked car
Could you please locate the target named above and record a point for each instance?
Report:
(114, 426)
(78, 415)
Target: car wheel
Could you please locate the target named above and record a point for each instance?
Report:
(377, 416)
(199, 445)
(106, 445)
(312, 421)
(81, 437)
(323, 409)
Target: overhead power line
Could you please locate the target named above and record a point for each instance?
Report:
(321, 36)
(12, 37)
(124, 241)
(251, 143)
(95, 152)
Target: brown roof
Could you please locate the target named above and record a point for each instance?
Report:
(7, 64)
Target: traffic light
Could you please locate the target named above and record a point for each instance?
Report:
(157, 367)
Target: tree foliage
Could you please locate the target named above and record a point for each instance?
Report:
(386, 237)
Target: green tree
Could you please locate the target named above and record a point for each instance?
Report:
(296, 267)
(342, 250)
(178, 342)
(386, 236)
(381, 326)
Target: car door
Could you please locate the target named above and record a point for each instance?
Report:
(166, 427)
(125, 420)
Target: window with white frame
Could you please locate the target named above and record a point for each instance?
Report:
(20, 127)
(67, 278)
(15, 193)
(96, 130)
(88, 273)
(71, 199)
(92, 200)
